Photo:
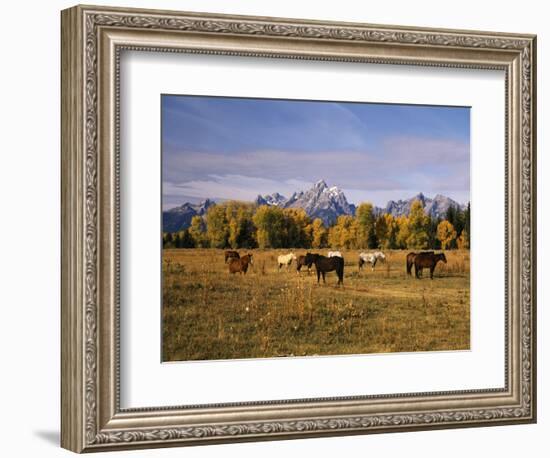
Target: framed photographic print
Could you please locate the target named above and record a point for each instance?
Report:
(278, 228)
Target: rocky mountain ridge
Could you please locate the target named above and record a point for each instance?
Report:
(320, 201)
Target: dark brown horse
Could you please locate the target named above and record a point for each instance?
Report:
(240, 264)
(427, 261)
(301, 261)
(324, 264)
(231, 254)
(410, 259)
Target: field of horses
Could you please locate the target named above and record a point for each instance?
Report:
(209, 313)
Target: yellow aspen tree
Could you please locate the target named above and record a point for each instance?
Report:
(463, 242)
(445, 233)
(319, 234)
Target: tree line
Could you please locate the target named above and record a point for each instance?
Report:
(236, 225)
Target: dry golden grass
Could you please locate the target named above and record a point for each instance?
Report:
(211, 314)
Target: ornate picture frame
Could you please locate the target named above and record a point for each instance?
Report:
(92, 41)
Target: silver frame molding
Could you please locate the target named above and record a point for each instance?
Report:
(92, 40)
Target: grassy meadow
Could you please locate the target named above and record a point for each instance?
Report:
(209, 313)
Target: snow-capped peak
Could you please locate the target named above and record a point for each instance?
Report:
(321, 184)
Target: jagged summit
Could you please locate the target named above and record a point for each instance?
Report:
(273, 199)
(321, 184)
(322, 202)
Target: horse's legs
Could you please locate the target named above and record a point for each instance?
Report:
(318, 275)
(323, 272)
(417, 271)
(373, 264)
(432, 268)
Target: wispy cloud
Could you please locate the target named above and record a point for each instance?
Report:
(238, 148)
(228, 187)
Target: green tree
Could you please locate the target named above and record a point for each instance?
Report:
(240, 226)
(184, 239)
(217, 227)
(297, 233)
(197, 232)
(392, 230)
(167, 240)
(456, 217)
(366, 233)
(418, 221)
(382, 230)
(433, 241)
(467, 225)
(270, 227)
(372, 239)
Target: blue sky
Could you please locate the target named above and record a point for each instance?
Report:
(237, 148)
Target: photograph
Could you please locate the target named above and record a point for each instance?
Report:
(299, 228)
(289, 226)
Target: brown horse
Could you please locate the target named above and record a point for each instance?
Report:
(301, 261)
(231, 254)
(429, 261)
(410, 260)
(240, 264)
(324, 264)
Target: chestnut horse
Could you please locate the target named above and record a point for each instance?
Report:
(410, 260)
(240, 264)
(231, 254)
(427, 261)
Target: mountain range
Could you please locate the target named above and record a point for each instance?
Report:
(320, 201)
(179, 218)
(436, 207)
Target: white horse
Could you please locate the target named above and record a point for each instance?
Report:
(286, 260)
(334, 253)
(371, 258)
